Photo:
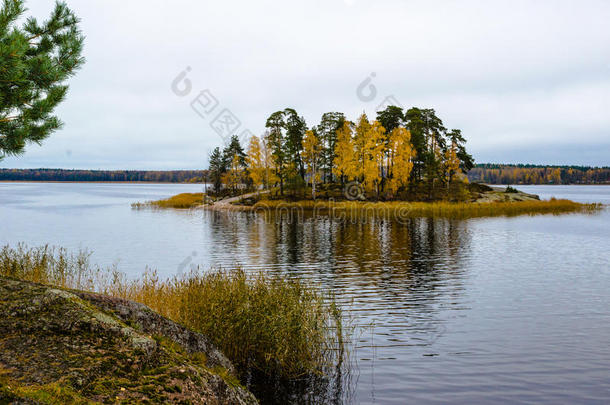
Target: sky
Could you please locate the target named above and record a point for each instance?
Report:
(167, 81)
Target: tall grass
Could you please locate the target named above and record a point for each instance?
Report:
(263, 323)
(51, 265)
(184, 200)
(266, 325)
(401, 210)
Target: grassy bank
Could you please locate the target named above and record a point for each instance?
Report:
(284, 329)
(400, 210)
(184, 200)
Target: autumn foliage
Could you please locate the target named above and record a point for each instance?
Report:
(396, 156)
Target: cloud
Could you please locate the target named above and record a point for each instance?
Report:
(513, 75)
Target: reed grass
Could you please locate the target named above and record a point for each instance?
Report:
(402, 210)
(184, 200)
(283, 329)
(51, 265)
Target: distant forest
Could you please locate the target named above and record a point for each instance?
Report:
(534, 174)
(151, 176)
(487, 173)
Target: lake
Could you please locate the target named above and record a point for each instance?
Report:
(487, 310)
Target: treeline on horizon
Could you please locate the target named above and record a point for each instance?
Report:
(149, 176)
(493, 173)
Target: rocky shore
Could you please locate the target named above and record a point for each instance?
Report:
(64, 346)
(499, 194)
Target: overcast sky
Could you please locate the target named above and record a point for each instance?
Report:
(526, 81)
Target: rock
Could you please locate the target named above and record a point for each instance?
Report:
(150, 322)
(498, 194)
(72, 346)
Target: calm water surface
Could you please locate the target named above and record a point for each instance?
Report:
(456, 311)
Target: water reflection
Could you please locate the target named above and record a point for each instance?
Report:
(481, 311)
(398, 281)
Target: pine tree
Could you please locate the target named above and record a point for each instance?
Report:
(276, 144)
(392, 117)
(295, 131)
(217, 169)
(455, 138)
(427, 132)
(35, 61)
(234, 148)
(327, 130)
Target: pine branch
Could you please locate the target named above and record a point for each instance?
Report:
(48, 31)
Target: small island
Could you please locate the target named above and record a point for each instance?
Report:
(402, 164)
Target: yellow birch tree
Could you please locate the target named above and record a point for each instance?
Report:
(311, 154)
(374, 157)
(452, 163)
(269, 177)
(401, 154)
(254, 159)
(362, 133)
(344, 162)
(232, 177)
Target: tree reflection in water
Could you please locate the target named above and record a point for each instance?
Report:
(394, 279)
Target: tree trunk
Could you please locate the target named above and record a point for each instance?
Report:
(313, 183)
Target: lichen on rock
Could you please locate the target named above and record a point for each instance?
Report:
(61, 346)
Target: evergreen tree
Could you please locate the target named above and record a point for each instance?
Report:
(427, 136)
(392, 117)
(416, 125)
(233, 149)
(35, 61)
(295, 131)
(327, 130)
(466, 160)
(275, 141)
(217, 169)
